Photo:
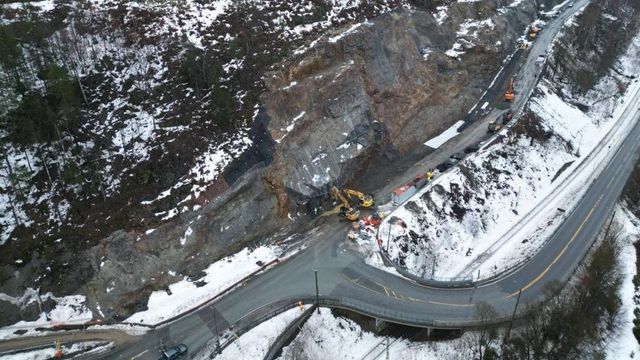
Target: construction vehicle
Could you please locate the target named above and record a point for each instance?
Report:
(494, 126)
(364, 200)
(534, 32)
(522, 44)
(428, 175)
(506, 117)
(510, 94)
(344, 209)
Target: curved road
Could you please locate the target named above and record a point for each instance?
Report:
(343, 275)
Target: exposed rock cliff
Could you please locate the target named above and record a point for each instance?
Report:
(338, 103)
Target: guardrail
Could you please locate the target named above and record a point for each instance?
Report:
(86, 325)
(451, 284)
(288, 334)
(258, 316)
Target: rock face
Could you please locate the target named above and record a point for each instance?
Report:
(587, 55)
(388, 83)
(130, 265)
(385, 85)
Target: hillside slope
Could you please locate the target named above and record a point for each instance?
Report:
(146, 141)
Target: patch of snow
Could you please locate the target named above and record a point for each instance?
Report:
(441, 14)
(84, 348)
(68, 310)
(625, 345)
(445, 136)
(187, 233)
(325, 336)
(353, 27)
(255, 343)
(187, 293)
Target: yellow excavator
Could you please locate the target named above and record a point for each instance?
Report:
(364, 200)
(344, 209)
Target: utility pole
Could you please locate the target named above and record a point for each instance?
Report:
(215, 324)
(388, 237)
(515, 309)
(315, 272)
(387, 348)
(606, 232)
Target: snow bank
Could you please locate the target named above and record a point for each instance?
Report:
(625, 345)
(68, 310)
(186, 294)
(48, 353)
(325, 336)
(255, 343)
(445, 136)
(468, 215)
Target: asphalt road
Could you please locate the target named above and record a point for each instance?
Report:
(343, 275)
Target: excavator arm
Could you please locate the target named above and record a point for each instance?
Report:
(365, 200)
(345, 209)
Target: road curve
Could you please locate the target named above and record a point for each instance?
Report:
(343, 277)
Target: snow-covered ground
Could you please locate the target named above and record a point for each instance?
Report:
(255, 343)
(467, 34)
(187, 294)
(445, 136)
(124, 129)
(625, 345)
(68, 310)
(85, 348)
(473, 217)
(325, 336)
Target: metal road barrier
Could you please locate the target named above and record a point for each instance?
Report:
(289, 333)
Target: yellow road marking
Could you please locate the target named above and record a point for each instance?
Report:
(448, 304)
(575, 235)
(614, 177)
(389, 292)
(355, 281)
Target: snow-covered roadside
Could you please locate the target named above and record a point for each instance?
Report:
(543, 221)
(455, 221)
(187, 294)
(180, 297)
(255, 343)
(625, 345)
(84, 348)
(68, 310)
(325, 336)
